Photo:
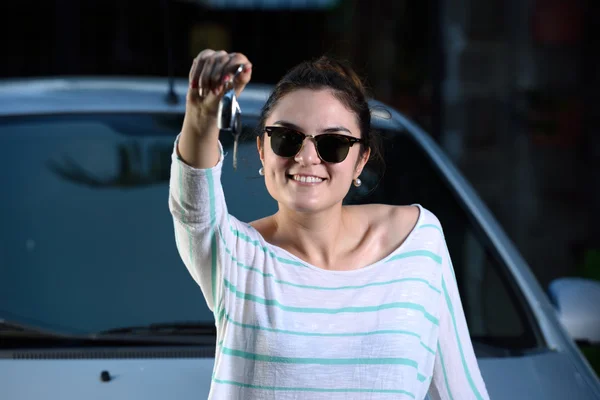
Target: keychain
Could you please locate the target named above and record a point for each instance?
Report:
(229, 118)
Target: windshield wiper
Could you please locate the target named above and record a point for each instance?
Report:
(167, 328)
(16, 330)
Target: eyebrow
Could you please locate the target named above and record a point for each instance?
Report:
(326, 130)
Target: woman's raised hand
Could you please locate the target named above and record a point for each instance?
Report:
(210, 72)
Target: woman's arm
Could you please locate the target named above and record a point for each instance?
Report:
(456, 374)
(197, 205)
(204, 231)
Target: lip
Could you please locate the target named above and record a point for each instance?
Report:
(305, 174)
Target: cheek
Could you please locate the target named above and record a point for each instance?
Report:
(274, 162)
(350, 165)
(342, 174)
(275, 168)
(275, 179)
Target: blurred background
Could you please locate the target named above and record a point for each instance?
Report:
(509, 88)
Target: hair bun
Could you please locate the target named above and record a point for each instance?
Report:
(341, 68)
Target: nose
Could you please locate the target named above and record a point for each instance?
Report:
(308, 153)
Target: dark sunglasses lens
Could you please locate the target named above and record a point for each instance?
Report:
(285, 142)
(332, 148)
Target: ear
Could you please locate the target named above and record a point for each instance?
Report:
(261, 150)
(362, 161)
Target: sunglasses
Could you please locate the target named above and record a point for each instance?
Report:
(331, 147)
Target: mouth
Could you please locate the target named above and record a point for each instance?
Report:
(306, 179)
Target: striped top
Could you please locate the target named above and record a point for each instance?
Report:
(289, 330)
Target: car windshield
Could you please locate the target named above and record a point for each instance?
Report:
(87, 241)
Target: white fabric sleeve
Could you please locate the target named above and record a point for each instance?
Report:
(205, 234)
(456, 374)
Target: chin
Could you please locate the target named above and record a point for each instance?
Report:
(305, 209)
(304, 205)
(301, 201)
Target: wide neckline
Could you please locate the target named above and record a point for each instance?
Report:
(369, 267)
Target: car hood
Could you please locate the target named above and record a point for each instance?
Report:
(541, 376)
(548, 375)
(148, 379)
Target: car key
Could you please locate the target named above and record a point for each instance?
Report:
(229, 118)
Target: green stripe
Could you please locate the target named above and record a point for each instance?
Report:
(417, 253)
(438, 228)
(421, 377)
(213, 242)
(450, 266)
(320, 334)
(265, 249)
(316, 310)
(306, 389)
(429, 349)
(360, 286)
(351, 287)
(444, 371)
(460, 349)
(177, 244)
(319, 361)
(221, 313)
(187, 228)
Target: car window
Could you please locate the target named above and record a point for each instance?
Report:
(87, 241)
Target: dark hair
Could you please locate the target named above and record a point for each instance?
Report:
(326, 73)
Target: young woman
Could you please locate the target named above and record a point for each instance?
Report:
(319, 300)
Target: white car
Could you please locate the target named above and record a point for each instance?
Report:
(95, 302)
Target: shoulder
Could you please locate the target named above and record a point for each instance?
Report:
(429, 220)
(265, 227)
(403, 218)
(398, 222)
(393, 223)
(400, 216)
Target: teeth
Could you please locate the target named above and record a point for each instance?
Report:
(308, 179)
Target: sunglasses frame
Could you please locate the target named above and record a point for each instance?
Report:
(351, 140)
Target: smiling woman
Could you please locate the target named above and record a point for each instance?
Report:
(319, 299)
(330, 160)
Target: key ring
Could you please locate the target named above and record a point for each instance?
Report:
(229, 83)
(229, 109)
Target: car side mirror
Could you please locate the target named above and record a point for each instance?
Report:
(577, 303)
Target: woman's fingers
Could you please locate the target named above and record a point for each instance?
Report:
(217, 73)
(205, 78)
(242, 79)
(211, 70)
(196, 70)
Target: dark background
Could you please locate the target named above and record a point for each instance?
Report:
(508, 88)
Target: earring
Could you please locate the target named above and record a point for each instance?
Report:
(261, 171)
(357, 182)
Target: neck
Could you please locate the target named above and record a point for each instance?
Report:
(316, 237)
